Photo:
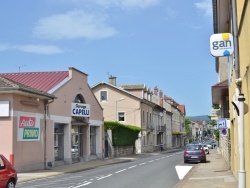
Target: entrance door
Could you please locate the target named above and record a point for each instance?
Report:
(58, 143)
(76, 143)
(92, 140)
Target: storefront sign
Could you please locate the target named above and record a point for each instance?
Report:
(30, 133)
(28, 128)
(221, 44)
(80, 110)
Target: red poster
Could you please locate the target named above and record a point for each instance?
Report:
(26, 121)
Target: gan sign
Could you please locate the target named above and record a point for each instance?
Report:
(221, 44)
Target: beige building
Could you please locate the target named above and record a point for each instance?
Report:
(138, 105)
(231, 16)
(49, 118)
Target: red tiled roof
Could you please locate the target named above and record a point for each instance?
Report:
(43, 81)
(12, 86)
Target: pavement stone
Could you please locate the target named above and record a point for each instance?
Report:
(212, 174)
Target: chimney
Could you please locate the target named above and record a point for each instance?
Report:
(112, 80)
(156, 90)
(161, 98)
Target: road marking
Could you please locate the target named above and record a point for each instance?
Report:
(182, 171)
(132, 166)
(151, 161)
(142, 163)
(104, 177)
(87, 183)
(120, 171)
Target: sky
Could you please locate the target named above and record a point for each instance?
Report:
(163, 43)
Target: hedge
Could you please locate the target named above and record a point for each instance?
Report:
(122, 135)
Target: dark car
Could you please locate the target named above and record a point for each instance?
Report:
(8, 174)
(194, 153)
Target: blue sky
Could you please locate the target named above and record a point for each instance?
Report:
(161, 43)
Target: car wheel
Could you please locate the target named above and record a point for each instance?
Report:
(10, 184)
(204, 161)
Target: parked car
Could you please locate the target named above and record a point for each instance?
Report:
(8, 174)
(206, 148)
(194, 153)
(209, 145)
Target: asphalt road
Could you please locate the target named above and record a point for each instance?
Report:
(156, 171)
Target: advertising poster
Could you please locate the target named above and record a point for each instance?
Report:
(28, 128)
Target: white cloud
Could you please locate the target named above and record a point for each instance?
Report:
(73, 25)
(30, 48)
(127, 3)
(171, 13)
(39, 49)
(4, 47)
(205, 6)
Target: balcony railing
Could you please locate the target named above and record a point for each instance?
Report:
(161, 128)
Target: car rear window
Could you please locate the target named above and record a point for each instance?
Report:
(194, 147)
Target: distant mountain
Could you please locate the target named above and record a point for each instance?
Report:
(199, 118)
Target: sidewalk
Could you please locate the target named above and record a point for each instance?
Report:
(214, 173)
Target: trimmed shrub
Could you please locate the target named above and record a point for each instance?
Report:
(122, 135)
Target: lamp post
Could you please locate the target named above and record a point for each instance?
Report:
(116, 115)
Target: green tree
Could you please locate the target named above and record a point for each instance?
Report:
(187, 126)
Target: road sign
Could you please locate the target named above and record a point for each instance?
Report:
(222, 123)
(224, 132)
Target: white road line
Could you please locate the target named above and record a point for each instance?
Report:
(151, 161)
(132, 166)
(142, 163)
(120, 171)
(157, 159)
(104, 177)
(87, 183)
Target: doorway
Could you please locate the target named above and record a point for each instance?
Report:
(76, 143)
(92, 140)
(58, 142)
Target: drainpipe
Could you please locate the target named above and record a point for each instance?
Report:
(45, 130)
(45, 136)
(242, 172)
(241, 99)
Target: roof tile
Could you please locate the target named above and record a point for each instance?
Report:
(43, 81)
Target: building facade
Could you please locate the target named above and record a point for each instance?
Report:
(69, 126)
(234, 17)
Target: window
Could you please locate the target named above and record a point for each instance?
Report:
(103, 96)
(121, 116)
(143, 117)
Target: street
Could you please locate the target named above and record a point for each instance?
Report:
(155, 171)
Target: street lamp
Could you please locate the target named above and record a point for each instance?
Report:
(116, 115)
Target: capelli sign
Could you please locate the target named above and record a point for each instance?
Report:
(221, 45)
(80, 110)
